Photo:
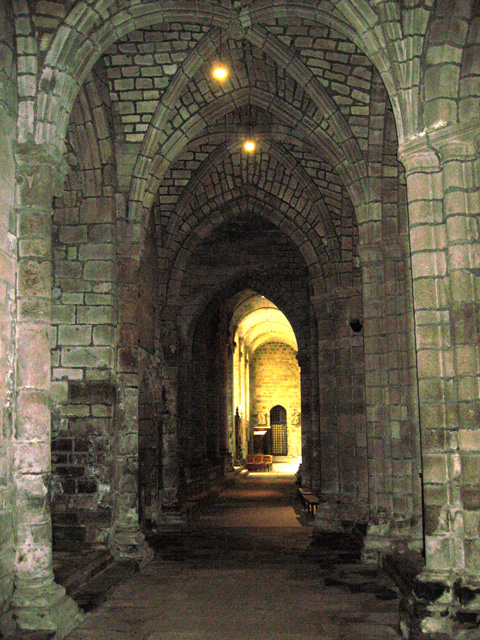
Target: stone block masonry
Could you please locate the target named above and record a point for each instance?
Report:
(82, 459)
(140, 68)
(132, 225)
(83, 344)
(275, 380)
(8, 99)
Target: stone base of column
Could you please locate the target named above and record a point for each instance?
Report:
(227, 461)
(337, 516)
(427, 610)
(43, 614)
(385, 536)
(435, 606)
(130, 545)
(377, 543)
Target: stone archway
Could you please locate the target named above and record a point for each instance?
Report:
(348, 85)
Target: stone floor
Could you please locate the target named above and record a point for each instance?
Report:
(247, 570)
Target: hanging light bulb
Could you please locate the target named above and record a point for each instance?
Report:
(220, 71)
(249, 145)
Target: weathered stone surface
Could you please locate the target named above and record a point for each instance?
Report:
(33, 415)
(33, 365)
(80, 392)
(153, 228)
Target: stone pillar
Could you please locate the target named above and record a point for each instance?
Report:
(390, 398)
(230, 426)
(323, 436)
(126, 537)
(341, 439)
(310, 470)
(377, 541)
(223, 395)
(443, 193)
(38, 604)
(171, 515)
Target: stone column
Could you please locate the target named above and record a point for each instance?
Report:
(171, 515)
(38, 603)
(340, 442)
(223, 395)
(126, 538)
(310, 471)
(392, 428)
(230, 427)
(443, 186)
(325, 432)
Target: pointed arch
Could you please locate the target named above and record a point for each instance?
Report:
(319, 215)
(337, 128)
(276, 292)
(233, 210)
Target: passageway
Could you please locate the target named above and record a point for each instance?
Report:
(248, 569)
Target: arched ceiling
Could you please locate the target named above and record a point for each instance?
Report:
(299, 87)
(299, 84)
(257, 321)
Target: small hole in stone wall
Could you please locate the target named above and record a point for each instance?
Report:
(356, 325)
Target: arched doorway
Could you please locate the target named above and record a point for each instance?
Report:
(265, 381)
(279, 431)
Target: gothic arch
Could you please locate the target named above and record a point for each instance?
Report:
(446, 38)
(317, 215)
(340, 131)
(232, 210)
(79, 42)
(274, 291)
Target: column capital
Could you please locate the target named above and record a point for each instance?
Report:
(416, 155)
(460, 141)
(321, 305)
(370, 253)
(40, 174)
(171, 342)
(427, 151)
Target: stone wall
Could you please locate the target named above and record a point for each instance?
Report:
(8, 106)
(84, 326)
(335, 91)
(150, 449)
(342, 447)
(275, 380)
(200, 429)
(150, 392)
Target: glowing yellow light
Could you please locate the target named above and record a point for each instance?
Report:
(249, 146)
(220, 72)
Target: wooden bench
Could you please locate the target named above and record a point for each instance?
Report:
(309, 499)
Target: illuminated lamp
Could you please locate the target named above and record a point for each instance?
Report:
(249, 145)
(220, 72)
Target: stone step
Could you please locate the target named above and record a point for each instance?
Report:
(93, 593)
(90, 574)
(31, 635)
(72, 569)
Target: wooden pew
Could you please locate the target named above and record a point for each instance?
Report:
(309, 499)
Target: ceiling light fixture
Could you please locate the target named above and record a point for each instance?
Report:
(220, 70)
(249, 145)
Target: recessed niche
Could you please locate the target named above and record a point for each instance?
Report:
(356, 325)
